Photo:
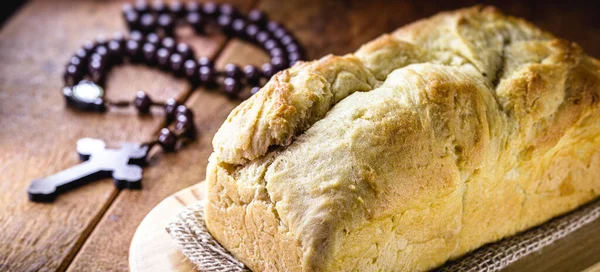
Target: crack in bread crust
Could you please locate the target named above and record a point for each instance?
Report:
(418, 136)
(287, 105)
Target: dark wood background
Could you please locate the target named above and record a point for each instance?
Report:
(90, 228)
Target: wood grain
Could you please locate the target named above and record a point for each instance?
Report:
(576, 252)
(152, 248)
(38, 134)
(109, 243)
(340, 27)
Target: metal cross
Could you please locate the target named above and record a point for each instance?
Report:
(123, 164)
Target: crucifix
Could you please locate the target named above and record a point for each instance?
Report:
(86, 73)
(123, 164)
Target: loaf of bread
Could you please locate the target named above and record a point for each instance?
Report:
(449, 133)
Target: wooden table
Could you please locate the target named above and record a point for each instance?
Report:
(90, 228)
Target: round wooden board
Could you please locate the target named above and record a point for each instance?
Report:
(152, 249)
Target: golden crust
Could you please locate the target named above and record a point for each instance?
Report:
(289, 103)
(449, 133)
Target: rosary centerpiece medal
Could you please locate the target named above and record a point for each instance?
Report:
(151, 42)
(86, 95)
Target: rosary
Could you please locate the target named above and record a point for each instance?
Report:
(151, 41)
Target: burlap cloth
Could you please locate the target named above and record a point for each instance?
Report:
(196, 243)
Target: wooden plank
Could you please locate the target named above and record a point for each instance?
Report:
(321, 32)
(38, 133)
(105, 247)
(594, 268)
(576, 252)
(152, 248)
(340, 27)
(108, 245)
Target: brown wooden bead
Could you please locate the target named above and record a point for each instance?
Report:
(238, 26)
(206, 74)
(184, 124)
(276, 52)
(176, 63)
(115, 51)
(99, 58)
(171, 108)
(252, 74)
(287, 39)
(159, 6)
(119, 37)
(96, 69)
(184, 110)
(176, 9)
(167, 140)
(292, 47)
(206, 61)
(76, 61)
(262, 37)
(95, 65)
(192, 7)
(195, 20)
(251, 31)
(142, 102)
(101, 40)
(280, 33)
(133, 50)
(149, 52)
(147, 23)
(190, 70)
(279, 63)
(127, 7)
(89, 47)
(272, 26)
(115, 48)
(232, 86)
(267, 70)
(141, 6)
(258, 17)
(228, 9)
(166, 23)
(168, 43)
(233, 71)
(81, 54)
(132, 19)
(95, 57)
(294, 57)
(103, 52)
(153, 39)
(184, 50)
(162, 57)
(210, 9)
(136, 35)
(224, 22)
(72, 75)
(270, 44)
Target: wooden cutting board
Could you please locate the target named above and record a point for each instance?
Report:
(152, 249)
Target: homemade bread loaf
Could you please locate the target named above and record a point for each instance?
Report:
(450, 133)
